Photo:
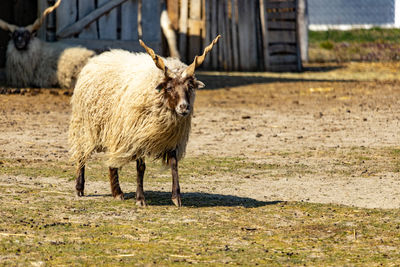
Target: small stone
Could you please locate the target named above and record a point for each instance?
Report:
(54, 92)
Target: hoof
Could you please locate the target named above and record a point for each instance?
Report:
(177, 201)
(80, 193)
(120, 196)
(140, 203)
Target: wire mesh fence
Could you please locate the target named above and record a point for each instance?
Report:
(352, 13)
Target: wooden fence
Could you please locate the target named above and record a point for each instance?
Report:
(256, 34)
(104, 24)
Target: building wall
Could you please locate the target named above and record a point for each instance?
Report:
(352, 12)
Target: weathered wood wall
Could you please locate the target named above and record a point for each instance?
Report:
(257, 35)
(119, 27)
(282, 35)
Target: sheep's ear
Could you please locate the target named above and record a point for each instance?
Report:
(200, 84)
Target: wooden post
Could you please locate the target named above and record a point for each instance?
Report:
(108, 23)
(235, 42)
(51, 23)
(85, 7)
(302, 25)
(264, 33)
(183, 26)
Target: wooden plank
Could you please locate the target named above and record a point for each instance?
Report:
(67, 14)
(207, 38)
(302, 22)
(227, 38)
(129, 20)
(282, 25)
(283, 59)
(221, 30)
(282, 15)
(108, 23)
(139, 19)
(194, 29)
(270, 5)
(183, 29)
(235, 42)
(85, 7)
(78, 26)
(282, 37)
(196, 23)
(173, 13)
(42, 5)
(214, 31)
(151, 12)
(247, 35)
(104, 45)
(282, 48)
(264, 33)
(203, 18)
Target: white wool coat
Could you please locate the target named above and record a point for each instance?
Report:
(45, 64)
(117, 109)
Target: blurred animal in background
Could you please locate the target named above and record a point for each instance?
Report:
(32, 62)
(169, 33)
(132, 106)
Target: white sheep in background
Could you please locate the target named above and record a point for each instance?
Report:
(132, 105)
(32, 62)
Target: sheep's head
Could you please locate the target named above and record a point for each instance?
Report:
(179, 88)
(21, 36)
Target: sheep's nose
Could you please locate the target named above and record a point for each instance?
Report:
(184, 106)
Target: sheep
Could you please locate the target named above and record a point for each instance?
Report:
(32, 62)
(132, 106)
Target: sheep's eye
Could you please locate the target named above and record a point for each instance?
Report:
(169, 88)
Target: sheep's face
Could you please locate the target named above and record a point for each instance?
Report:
(21, 38)
(179, 87)
(179, 93)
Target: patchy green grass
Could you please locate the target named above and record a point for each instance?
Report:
(41, 222)
(356, 36)
(103, 231)
(374, 44)
(342, 161)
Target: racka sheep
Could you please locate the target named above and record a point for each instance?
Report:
(132, 105)
(32, 62)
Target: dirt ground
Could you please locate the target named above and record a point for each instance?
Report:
(332, 132)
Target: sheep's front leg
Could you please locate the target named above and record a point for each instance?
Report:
(140, 167)
(114, 182)
(176, 190)
(80, 181)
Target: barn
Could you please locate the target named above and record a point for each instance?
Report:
(258, 35)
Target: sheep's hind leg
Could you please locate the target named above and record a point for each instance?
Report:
(176, 190)
(140, 167)
(114, 182)
(80, 182)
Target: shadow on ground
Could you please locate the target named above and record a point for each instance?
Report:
(158, 198)
(226, 79)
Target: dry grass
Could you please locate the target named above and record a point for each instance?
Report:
(42, 222)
